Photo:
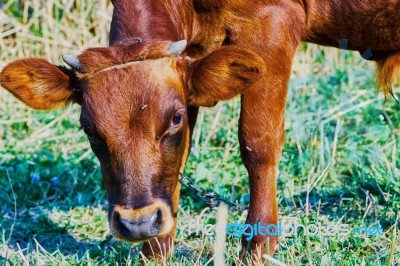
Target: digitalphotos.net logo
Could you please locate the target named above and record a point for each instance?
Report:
(198, 227)
(294, 229)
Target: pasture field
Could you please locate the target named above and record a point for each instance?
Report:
(340, 164)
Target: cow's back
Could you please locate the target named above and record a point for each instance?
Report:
(373, 24)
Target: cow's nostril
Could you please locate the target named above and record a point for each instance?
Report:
(145, 227)
(156, 223)
(159, 216)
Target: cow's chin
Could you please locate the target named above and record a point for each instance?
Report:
(158, 213)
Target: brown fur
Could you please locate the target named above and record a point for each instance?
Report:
(38, 83)
(388, 72)
(95, 59)
(131, 91)
(222, 75)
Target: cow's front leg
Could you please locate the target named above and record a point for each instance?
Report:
(261, 135)
(261, 126)
(161, 247)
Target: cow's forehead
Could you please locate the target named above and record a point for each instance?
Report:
(143, 79)
(153, 87)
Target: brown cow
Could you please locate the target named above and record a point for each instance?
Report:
(140, 99)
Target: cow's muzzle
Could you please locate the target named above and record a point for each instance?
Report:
(141, 224)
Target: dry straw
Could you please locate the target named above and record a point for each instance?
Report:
(50, 28)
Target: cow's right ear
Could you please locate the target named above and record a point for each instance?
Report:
(40, 84)
(221, 75)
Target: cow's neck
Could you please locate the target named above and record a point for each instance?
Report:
(169, 20)
(151, 20)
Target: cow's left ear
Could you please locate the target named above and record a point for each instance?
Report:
(222, 75)
(40, 84)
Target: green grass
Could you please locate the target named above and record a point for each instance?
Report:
(340, 162)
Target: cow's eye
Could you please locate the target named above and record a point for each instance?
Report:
(177, 119)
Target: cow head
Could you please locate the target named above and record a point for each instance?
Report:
(134, 98)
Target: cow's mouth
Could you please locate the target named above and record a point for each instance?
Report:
(134, 225)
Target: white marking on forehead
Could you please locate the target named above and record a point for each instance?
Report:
(120, 66)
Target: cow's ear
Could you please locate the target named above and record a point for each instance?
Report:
(222, 75)
(40, 84)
